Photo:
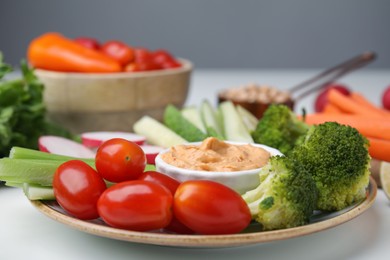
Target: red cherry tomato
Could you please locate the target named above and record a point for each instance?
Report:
(142, 55)
(171, 64)
(77, 188)
(119, 51)
(165, 60)
(136, 205)
(144, 60)
(386, 98)
(89, 43)
(176, 226)
(159, 178)
(171, 184)
(322, 98)
(208, 207)
(120, 160)
(162, 56)
(132, 67)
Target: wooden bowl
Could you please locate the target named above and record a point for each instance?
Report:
(112, 102)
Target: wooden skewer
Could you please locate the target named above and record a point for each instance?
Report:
(332, 74)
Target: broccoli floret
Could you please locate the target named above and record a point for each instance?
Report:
(285, 197)
(279, 128)
(337, 157)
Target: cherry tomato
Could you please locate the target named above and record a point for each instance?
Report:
(162, 56)
(176, 226)
(165, 60)
(141, 66)
(119, 160)
(136, 205)
(132, 67)
(142, 55)
(322, 98)
(77, 188)
(120, 51)
(144, 60)
(171, 184)
(89, 43)
(208, 207)
(171, 64)
(159, 178)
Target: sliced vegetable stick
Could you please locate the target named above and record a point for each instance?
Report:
(331, 109)
(366, 125)
(348, 105)
(364, 102)
(379, 149)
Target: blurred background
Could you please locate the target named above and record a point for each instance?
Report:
(212, 33)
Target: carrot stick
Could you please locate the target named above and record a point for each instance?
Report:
(367, 125)
(379, 149)
(365, 103)
(331, 109)
(348, 105)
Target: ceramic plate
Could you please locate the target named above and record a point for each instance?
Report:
(252, 235)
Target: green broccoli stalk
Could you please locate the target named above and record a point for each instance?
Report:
(337, 157)
(279, 128)
(286, 196)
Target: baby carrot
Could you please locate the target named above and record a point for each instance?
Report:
(365, 103)
(331, 109)
(348, 105)
(367, 125)
(379, 149)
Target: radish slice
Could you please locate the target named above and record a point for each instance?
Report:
(95, 139)
(63, 146)
(151, 151)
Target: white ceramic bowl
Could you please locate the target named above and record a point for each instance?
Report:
(240, 181)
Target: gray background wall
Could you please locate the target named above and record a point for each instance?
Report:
(214, 33)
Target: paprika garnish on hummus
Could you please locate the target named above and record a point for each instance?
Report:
(218, 156)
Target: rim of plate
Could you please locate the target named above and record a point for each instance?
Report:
(178, 240)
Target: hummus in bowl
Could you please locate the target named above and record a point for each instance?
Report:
(233, 164)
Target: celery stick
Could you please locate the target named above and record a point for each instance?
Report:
(13, 184)
(38, 172)
(25, 153)
(38, 192)
(36, 168)
(150, 167)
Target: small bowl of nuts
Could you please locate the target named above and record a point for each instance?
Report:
(256, 98)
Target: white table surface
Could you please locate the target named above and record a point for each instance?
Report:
(28, 234)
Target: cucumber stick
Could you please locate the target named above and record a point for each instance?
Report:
(249, 120)
(234, 128)
(174, 120)
(192, 114)
(210, 120)
(157, 133)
